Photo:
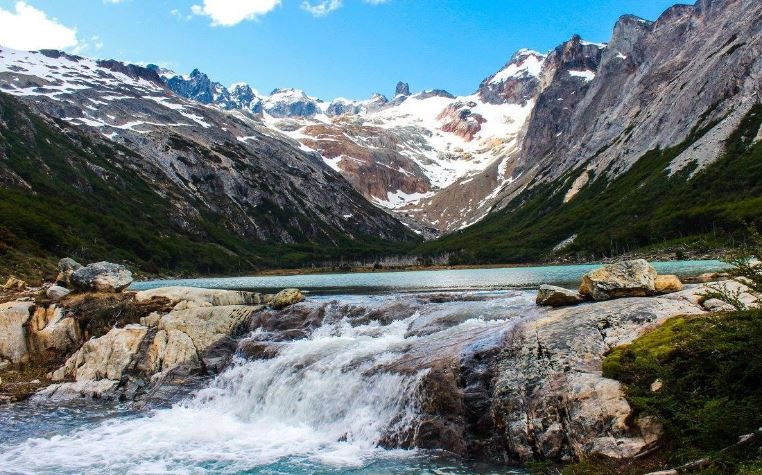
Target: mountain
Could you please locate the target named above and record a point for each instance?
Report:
(652, 140)
(403, 153)
(578, 118)
(585, 150)
(103, 151)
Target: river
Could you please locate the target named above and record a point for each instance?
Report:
(326, 404)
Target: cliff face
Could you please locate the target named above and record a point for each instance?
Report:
(695, 68)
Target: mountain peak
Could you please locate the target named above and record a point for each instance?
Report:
(403, 89)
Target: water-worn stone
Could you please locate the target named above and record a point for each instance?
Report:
(14, 284)
(667, 284)
(56, 292)
(552, 296)
(634, 278)
(66, 268)
(286, 298)
(51, 335)
(193, 295)
(102, 277)
(170, 349)
(106, 357)
(206, 325)
(13, 316)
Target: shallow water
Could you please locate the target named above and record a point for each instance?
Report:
(441, 280)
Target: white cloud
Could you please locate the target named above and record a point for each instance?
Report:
(324, 7)
(321, 8)
(233, 12)
(30, 29)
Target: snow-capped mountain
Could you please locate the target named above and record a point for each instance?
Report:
(400, 153)
(204, 162)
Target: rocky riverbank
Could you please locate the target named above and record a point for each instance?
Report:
(512, 386)
(86, 336)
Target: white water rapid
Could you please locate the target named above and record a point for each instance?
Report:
(324, 401)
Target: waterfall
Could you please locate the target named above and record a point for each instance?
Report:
(328, 403)
(322, 400)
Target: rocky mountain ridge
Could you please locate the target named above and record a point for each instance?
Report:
(593, 107)
(112, 129)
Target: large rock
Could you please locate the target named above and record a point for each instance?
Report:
(52, 335)
(206, 326)
(552, 296)
(132, 353)
(102, 277)
(286, 298)
(550, 400)
(169, 349)
(667, 284)
(634, 278)
(106, 357)
(56, 292)
(13, 316)
(199, 297)
(66, 268)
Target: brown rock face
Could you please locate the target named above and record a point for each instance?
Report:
(368, 158)
(667, 284)
(460, 121)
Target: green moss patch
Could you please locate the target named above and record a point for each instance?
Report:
(710, 370)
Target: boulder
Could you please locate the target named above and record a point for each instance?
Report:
(13, 316)
(102, 277)
(56, 292)
(286, 298)
(206, 326)
(52, 335)
(667, 284)
(636, 278)
(106, 357)
(66, 268)
(196, 297)
(14, 284)
(552, 296)
(551, 401)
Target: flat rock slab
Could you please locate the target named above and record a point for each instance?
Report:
(212, 297)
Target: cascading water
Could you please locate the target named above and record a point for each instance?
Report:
(324, 404)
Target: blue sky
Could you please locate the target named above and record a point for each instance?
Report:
(329, 48)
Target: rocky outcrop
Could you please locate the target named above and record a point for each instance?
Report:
(13, 316)
(104, 358)
(51, 335)
(552, 296)
(102, 277)
(634, 278)
(549, 398)
(199, 296)
(130, 360)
